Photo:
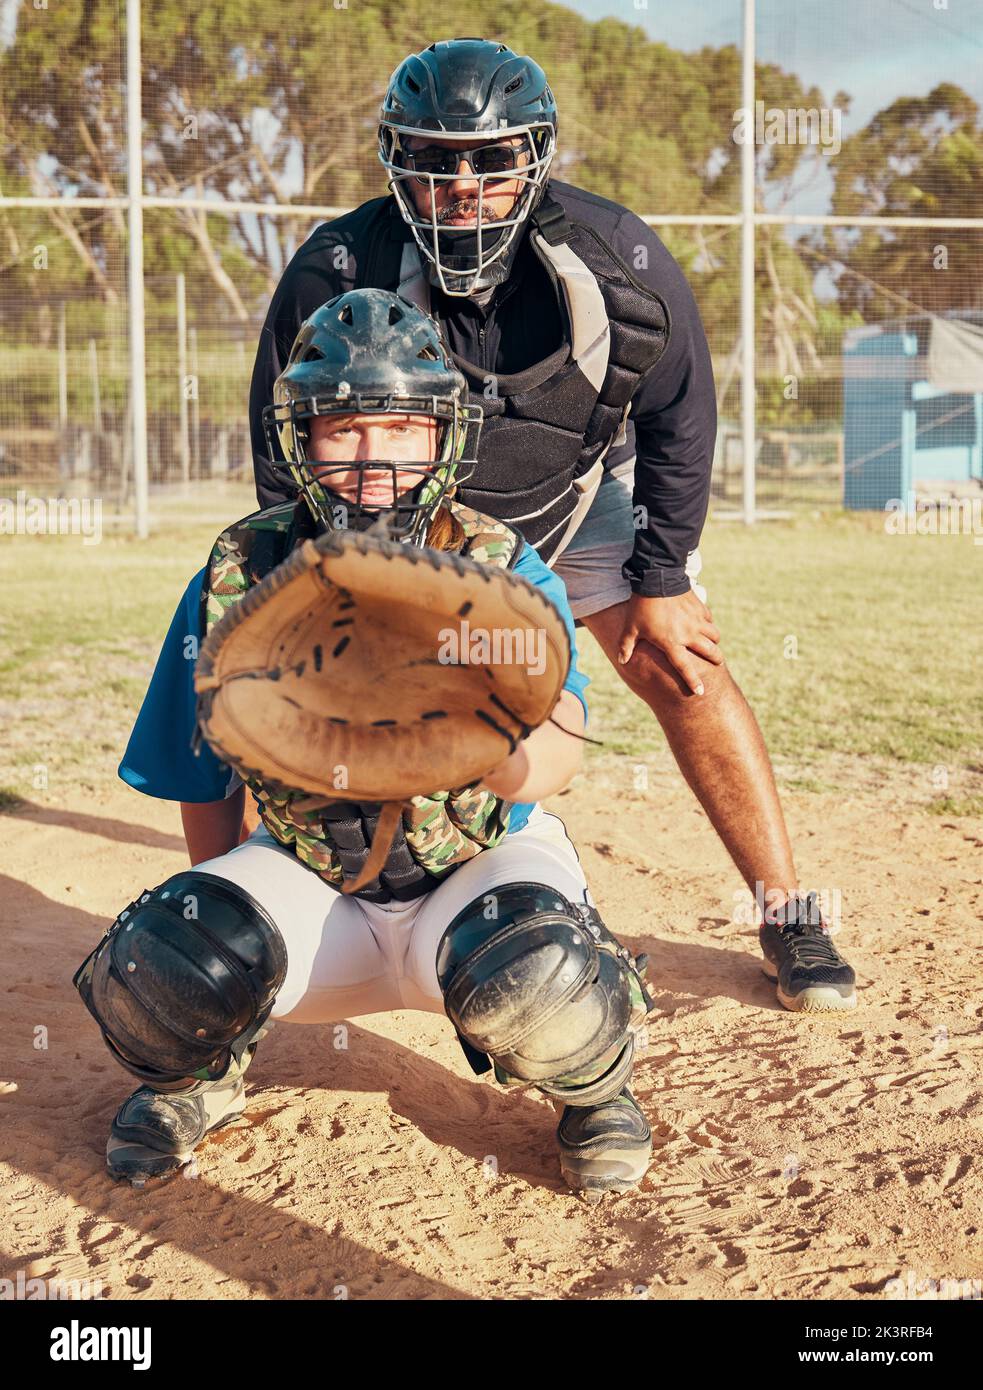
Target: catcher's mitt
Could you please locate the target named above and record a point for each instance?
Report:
(336, 674)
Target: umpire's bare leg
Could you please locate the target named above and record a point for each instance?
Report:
(720, 750)
(717, 742)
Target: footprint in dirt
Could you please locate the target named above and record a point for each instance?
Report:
(94, 1233)
(955, 1170)
(710, 1135)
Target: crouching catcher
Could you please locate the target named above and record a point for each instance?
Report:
(324, 687)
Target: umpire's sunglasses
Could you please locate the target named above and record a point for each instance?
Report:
(445, 161)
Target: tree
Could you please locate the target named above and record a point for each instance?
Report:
(920, 157)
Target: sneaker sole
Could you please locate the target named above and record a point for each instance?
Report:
(817, 999)
(618, 1170)
(591, 1196)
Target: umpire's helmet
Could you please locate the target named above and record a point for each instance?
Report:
(461, 89)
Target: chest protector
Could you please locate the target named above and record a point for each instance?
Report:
(547, 429)
(437, 832)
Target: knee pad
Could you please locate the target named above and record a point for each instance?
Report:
(545, 990)
(183, 979)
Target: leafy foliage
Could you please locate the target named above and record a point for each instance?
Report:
(254, 103)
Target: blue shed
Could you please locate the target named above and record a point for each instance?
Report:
(912, 406)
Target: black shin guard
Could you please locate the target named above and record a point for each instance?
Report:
(543, 989)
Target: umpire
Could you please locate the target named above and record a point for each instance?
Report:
(580, 339)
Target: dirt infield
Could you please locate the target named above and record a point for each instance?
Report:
(795, 1158)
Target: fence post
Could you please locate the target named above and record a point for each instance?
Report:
(62, 370)
(137, 325)
(748, 151)
(195, 416)
(184, 444)
(220, 456)
(96, 393)
(64, 444)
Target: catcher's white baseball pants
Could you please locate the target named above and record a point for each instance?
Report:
(347, 957)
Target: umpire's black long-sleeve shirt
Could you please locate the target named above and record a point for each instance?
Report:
(673, 420)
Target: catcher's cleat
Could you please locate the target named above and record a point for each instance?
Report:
(604, 1148)
(811, 975)
(155, 1133)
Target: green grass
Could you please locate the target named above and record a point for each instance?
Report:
(80, 628)
(957, 806)
(887, 628)
(888, 637)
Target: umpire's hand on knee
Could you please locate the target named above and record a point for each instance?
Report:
(682, 627)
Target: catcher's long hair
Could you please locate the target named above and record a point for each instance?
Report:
(445, 532)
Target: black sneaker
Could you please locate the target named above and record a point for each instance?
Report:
(604, 1148)
(811, 975)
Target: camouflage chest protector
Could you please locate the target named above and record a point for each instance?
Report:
(548, 428)
(437, 832)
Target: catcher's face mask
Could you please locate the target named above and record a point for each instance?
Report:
(338, 444)
(352, 493)
(366, 355)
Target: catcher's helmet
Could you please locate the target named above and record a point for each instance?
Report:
(462, 89)
(363, 353)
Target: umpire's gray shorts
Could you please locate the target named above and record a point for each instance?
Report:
(590, 567)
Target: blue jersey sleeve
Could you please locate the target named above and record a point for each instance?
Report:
(531, 568)
(159, 759)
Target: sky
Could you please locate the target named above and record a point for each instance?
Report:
(875, 50)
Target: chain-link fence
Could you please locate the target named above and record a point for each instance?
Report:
(257, 123)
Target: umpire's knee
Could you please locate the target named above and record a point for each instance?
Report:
(653, 677)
